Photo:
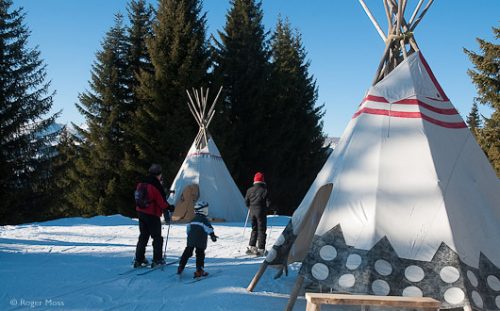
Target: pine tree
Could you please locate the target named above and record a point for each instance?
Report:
(105, 109)
(25, 136)
(64, 175)
(179, 54)
(486, 77)
(140, 16)
(241, 65)
(295, 121)
(474, 121)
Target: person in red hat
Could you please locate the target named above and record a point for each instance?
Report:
(257, 201)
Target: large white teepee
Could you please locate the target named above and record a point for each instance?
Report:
(415, 205)
(205, 168)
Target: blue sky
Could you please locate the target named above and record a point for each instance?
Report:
(343, 47)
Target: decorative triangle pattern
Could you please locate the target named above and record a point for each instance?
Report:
(379, 271)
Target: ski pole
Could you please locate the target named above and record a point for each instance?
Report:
(245, 226)
(166, 242)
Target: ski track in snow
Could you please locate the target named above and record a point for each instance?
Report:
(76, 264)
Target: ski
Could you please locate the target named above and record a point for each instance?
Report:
(210, 274)
(158, 267)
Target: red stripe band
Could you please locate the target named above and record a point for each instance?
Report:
(448, 111)
(197, 154)
(409, 115)
(412, 101)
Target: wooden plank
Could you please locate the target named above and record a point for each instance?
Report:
(392, 301)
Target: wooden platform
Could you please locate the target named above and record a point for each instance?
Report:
(315, 300)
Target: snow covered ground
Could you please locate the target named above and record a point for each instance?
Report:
(76, 264)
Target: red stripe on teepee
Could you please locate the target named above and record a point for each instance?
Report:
(413, 101)
(373, 98)
(409, 115)
(448, 111)
(433, 78)
(196, 154)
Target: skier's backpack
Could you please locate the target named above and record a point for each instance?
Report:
(141, 195)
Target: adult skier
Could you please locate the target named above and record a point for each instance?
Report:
(257, 200)
(151, 203)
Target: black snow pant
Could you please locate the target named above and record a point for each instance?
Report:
(188, 252)
(149, 225)
(259, 227)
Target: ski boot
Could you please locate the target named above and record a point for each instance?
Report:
(140, 263)
(251, 250)
(200, 273)
(158, 262)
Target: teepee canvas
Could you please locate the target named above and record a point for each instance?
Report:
(415, 204)
(204, 167)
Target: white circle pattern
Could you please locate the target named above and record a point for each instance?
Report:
(353, 261)
(472, 278)
(347, 280)
(454, 295)
(381, 288)
(414, 273)
(478, 301)
(412, 291)
(328, 252)
(271, 255)
(280, 240)
(449, 274)
(383, 267)
(493, 282)
(320, 271)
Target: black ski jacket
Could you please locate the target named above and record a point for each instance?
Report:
(257, 197)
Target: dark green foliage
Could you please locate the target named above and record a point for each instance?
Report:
(241, 65)
(268, 120)
(474, 121)
(163, 126)
(486, 77)
(105, 108)
(25, 134)
(296, 143)
(64, 175)
(141, 18)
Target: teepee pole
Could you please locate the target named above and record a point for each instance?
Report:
(388, 16)
(215, 101)
(406, 28)
(257, 276)
(374, 21)
(197, 116)
(382, 61)
(414, 24)
(210, 119)
(295, 292)
(203, 102)
(194, 114)
(415, 12)
(198, 101)
(399, 16)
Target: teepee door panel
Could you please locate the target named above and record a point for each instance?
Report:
(309, 224)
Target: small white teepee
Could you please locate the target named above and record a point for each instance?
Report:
(415, 204)
(205, 168)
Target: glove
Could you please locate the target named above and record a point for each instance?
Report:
(213, 237)
(166, 215)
